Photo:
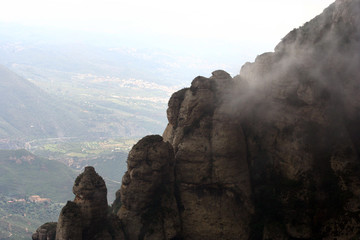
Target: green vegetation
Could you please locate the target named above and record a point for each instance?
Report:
(108, 156)
(23, 174)
(86, 149)
(20, 218)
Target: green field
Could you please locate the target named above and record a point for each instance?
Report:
(81, 149)
(108, 156)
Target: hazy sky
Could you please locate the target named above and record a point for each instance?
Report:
(240, 25)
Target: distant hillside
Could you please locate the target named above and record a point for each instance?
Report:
(22, 173)
(32, 110)
(26, 110)
(19, 217)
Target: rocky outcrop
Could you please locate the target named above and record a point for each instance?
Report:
(149, 209)
(87, 216)
(272, 153)
(46, 231)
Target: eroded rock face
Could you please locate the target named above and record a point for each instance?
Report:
(149, 209)
(212, 174)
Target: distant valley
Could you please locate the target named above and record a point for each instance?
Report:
(71, 105)
(21, 175)
(29, 111)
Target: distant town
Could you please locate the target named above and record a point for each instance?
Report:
(33, 199)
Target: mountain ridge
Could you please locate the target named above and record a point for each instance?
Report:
(27, 111)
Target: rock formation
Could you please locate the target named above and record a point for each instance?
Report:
(272, 153)
(46, 231)
(149, 209)
(212, 173)
(87, 216)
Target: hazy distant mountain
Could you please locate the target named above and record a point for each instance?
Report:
(121, 92)
(26, 110)
(82, 52)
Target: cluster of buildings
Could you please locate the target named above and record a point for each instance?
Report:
(33, 198)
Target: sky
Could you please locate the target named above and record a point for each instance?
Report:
(226, 28)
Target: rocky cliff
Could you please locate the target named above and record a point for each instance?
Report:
(272, 153)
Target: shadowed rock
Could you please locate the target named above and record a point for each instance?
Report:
(70, 223)
(90, 196)
(46, 231)
(149, 209)
(211, 164)
(87, 216)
